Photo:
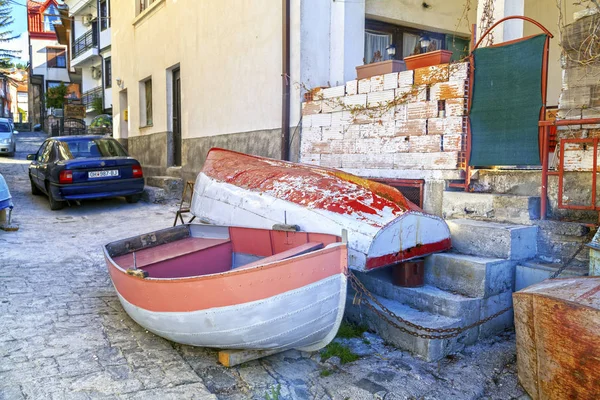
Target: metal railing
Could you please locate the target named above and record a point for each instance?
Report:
(88, 97)
(85, 42)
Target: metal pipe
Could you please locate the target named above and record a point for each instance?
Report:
(285, 81)
(546, 31)
(545, 154)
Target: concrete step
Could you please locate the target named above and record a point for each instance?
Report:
(154, 194)
(171, 185)
(491, 207)
(174, 172)
(532, 272)
(491, 239)
(429, 349)
(468, 275)
(559, 240)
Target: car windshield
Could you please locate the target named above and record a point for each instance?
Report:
(90, 148)
(4, 127)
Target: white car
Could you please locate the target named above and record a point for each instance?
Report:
(8, 143)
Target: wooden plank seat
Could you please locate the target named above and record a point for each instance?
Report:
(163, 252)
(296, 251)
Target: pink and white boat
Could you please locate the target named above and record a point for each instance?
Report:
(233, 288)
(383, 227)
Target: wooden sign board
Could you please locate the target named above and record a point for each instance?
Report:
(74, 111)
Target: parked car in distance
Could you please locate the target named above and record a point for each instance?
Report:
(84, 167)
(8, 143)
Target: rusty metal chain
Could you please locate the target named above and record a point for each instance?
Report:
(589, 237)
(389, 316)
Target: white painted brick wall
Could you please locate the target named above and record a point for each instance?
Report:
(332, 104)
(337, 91)
(459, 71)
(376, 99)
(431, 75)
(352, 161)
(364, 86)
(447, 90)
(311, 107)
(359, 100)
(352, 132)
(398, 144)
(401, 112)
(426, 144)
(455, 107)
(352, 87)
(390, 81)
(439, 160)
(311, 134)
(377, 83)
(312, 159)
(422, 110)
(452, 142)
(333, 132)
(405, 78)
(445, 126)
(411, 93)
(331, 160)
(377, 130)
(411, 127)
(341, 118)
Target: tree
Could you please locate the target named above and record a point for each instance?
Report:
(6, 35)
(55, 96)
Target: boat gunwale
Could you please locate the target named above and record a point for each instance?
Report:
(234, 271)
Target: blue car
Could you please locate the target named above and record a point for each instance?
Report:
(84, 167)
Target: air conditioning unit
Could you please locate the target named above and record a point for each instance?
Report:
(96, 73)
(88, 19)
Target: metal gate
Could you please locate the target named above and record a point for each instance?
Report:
(74, 126)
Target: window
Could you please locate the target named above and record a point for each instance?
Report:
(51, 17)
(146, 102)
(56, 57)
(107, 72)
(104, 15)
(52, 84)
(144, 4)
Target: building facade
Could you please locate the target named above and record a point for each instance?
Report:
(47, 57)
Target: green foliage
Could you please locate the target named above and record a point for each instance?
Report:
(22, 112)
(6, 35)
(335, 349)
(273, 393)
(348, 330)
(55, 97)
(325, 373)
(97, 104)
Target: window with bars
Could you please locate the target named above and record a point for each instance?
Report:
(104, 15)
(107, 72)
(56, 57)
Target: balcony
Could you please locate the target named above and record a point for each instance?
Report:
(84, 48)
(88, 97)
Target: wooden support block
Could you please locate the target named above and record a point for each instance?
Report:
(231, 358)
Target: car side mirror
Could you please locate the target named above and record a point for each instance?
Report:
(31, 157)
(16, 132)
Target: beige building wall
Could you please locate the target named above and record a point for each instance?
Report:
(546, 13)
(440, 16)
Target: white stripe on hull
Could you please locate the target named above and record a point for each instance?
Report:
(306, 319)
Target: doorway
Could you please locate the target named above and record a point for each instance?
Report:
(177, 142)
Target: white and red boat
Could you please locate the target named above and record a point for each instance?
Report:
(233, 288)
(383, 227)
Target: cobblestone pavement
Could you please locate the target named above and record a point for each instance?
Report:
(64, 335)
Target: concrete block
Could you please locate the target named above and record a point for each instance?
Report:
(351, 87)
(390, 81)
(422, 110)
(445, 126)
(405, 78)
(452, 142)
(471, 276)
(491, 239)
(337, 91)
(381, 98)
(172, 186)
(364, 86)
(493, 207)
(359, 100)
(431, 75)
(529, 273)
(426, 144)
(428, 349)
(492, 305)
(154, 194)
(377, 83)
(447, 90)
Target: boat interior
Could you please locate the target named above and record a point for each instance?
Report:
(195, 250)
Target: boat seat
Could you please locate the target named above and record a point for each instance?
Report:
(163, 252)
(296, 251)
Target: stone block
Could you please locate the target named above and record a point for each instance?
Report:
(431, 75)
(311, 134)
(377, 83)
(426, 144)
(351, 87)
(332, 105)
(380, 99)
(154, 194)
(359, 100)
(364, 86)
(422, 110)
(455, 107)
(390, 81)
(406, 78)
(311, 107)
(447, 90)
(352, 131)
(332, 132)
(489, 307)
(341, 118)
(446, 126)
(413, 127)
(316, 120)
(529, 273)
(459, 71)
(368, 146)
(452, 142)
(401, 113)
(492, 239)
(337, 91)
(471, 276)
(398, 144)
(378, 130)
(363, 116)
(407, 94)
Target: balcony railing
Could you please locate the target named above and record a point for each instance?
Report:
(89, 96)
(85, 42)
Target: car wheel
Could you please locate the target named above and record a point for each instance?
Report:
(134, 198)
(34, 189)
(54, 204)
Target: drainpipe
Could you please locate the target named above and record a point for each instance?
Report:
(285, 82)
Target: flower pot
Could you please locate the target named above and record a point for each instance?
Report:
(428, 59)
(379, 68)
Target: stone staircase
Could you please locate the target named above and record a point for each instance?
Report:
(499, 245)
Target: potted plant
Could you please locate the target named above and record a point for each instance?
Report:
(426, 55)
(379, 67)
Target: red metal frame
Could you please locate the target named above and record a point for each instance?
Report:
(545, 125)
(472, 79)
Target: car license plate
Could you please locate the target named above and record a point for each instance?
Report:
(103, 174)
